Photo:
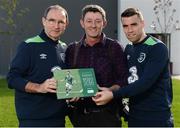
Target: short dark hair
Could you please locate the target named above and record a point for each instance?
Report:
(131, 12)
(93, 8)
(58, 7)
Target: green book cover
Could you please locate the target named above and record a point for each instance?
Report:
(75, 82)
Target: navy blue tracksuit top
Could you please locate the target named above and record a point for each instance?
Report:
(33, 62)
(150, 87)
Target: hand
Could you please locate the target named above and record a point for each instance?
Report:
(103, 97)
(48, 85)
(102, 88)
(74, 99)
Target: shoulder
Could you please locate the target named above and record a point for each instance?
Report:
(74, 44)
(114, 44)
(35, 39)
(27, 44)
(156, 48)
(155, 43)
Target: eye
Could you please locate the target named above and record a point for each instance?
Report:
(61, 22)
(98, 21)
(51, 21)
(89, 21)
(125, 26)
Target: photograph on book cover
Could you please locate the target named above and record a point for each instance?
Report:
(75, 83)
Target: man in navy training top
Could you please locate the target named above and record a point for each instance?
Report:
(31, 77)
(150, 87)
(105, 55)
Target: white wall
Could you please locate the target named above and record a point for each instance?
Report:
(146, 6)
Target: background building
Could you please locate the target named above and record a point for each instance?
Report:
(30, 24)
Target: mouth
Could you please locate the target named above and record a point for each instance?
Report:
(57, 31)
(131, 35)
(92, 30)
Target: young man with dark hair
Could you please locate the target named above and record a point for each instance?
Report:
(149, 83)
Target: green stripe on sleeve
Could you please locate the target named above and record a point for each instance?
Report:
(150, 41)
(36, 39)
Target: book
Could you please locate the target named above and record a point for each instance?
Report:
(75, 82)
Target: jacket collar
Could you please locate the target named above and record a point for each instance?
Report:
(44, 36)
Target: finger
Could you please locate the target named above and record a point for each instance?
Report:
(52, 79)
(98, 102)
(51, 90)
(67, 101)
(103, 88)
(94, 99)
(72, 99)
(75, 99)
(52, 84)
(52, 87)
(98, 86)
(98, 94)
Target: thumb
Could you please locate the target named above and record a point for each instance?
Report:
(103, 89)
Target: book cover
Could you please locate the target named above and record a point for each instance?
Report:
(75, 82)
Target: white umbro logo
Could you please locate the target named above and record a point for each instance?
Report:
(43, 56)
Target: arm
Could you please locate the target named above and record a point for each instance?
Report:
(155, 66)
(48, 85)
(19, 72)
(157, 62)
(19, 68)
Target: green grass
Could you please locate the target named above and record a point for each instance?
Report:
(176, 102)
(7, 110)
(8, 114)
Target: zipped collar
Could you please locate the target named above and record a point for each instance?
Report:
(44, 36)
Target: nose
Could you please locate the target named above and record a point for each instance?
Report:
(93, 23)
(56, 25)
(129, 29)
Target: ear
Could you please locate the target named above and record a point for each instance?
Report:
(67, 23)
(82, 23)
(104, 24)
(143, 23)
(43, 21)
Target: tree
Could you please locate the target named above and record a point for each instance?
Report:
(164, 22)
(10, 15)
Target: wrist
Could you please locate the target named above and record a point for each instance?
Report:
(32, 87)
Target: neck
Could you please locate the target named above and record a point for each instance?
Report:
(52, 38)
(143, 37)
(92, 41)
